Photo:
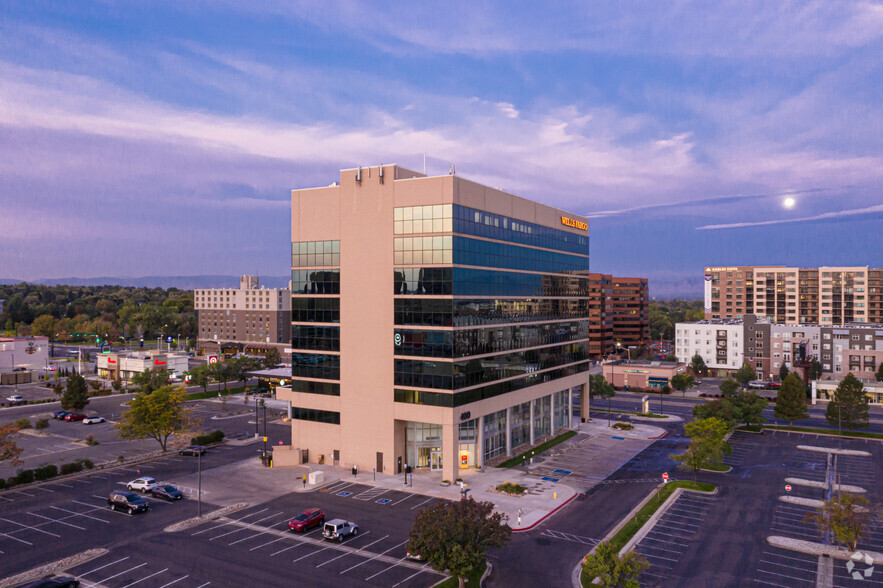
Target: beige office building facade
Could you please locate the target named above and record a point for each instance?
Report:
(436, 323)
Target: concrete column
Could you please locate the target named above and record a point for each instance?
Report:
(552, 415)
(508, 431)
(450, 453)
(569, 420)
(585, 402)
(479, 443)
(532, 410)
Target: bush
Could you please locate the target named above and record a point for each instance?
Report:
(510, 488)
(41, 424)
(45, 471)
(87, 463)
(213, 437)
(90, 441)
(623, 426)
(2, 484)
(24, 477)
(71, 468)
(23, 423)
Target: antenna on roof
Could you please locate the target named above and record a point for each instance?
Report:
(453, 170)
(424, 163)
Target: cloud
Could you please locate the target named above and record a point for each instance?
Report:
(824, 216)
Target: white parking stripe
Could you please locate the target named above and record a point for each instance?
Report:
(309, 554)
(17, 539)
(175, 581)
(104, 566)
(44, 489)
(79, 514)
(146, 577)
(408, 578)
(422, 503)
(252, 523)
(230, 522)
(287, 548)
(268, 543)
(121, 573)
(403, 499)
(29, 527)
(61, 520)
(385, 569)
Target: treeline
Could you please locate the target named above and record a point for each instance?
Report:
(64, 312)
(665, 314)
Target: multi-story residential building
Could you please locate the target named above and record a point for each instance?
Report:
(825, 295)
(852, 348)
(719, 342)
(249, 319)
(769, 346)
(437, 323)
(619, 314)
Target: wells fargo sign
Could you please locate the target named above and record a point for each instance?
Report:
(574, 223)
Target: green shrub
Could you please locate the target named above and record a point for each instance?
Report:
(623, 426)
(23, 423)
(2, 483)
(213, 437)
(24, 477)
(87, 463)
(41, 424)
(45, 471)
(71, 468)
(510, 488)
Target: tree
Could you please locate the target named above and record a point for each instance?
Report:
(221, 372)
(117, 384)
(791, 400)
(613, 570)
(815, 370)
(9, 451)
(783, 372)
(157, 415)
(750, 407)
(880, 373)
(601, 388)
(729, 387)
(271, 359)
(724, 410)
(201, 375)
(43, 325)
(241, 366)
(151, 379)
(846, 517)
(76, 393)
(707, 446)
(849, 406)
(682, 382)
(454, 536)
(697, 364)
(745, 374)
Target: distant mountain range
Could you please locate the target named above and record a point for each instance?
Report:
(180, 282)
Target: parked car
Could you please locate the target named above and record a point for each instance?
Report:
(15, 398)
(167, 491)
(93, 419)
(774, 384)
(697, 382)
(757, 384)
(74, 416)
(337, 529)
(143, 484)
(54, 582)
(413, 556)
(193, 450)
(60, 414)
(312, 517)
(128, 501)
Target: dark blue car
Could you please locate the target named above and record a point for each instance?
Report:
(168, 492)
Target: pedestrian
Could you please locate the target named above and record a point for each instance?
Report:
(305, 480)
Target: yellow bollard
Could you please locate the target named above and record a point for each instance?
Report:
(554, 495)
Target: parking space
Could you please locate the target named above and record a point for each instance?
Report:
(671, 536)
(68, 521)
(785, 568)
(745, 447)
(376, 555)
(114, 570)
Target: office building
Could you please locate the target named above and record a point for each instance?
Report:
(124, 365)
(639, 375)
(436, 323)
(619, 314)
(250, 319)
(825, 295)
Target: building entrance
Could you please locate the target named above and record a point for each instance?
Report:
(435, 462)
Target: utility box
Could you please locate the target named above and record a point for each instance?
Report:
(316, 477)
(645, 404)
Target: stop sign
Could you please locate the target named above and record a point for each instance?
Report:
(787, 487)
(665, 476)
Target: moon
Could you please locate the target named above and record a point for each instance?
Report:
(789, 202)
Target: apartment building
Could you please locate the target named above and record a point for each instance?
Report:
(825, 295)
(719, 342)
(437, 323)
(250, 318)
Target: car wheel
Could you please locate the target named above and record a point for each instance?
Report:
(340, 538)
(355, 531)
(129, 488)
(131, 511)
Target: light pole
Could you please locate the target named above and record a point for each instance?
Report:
(199, 484)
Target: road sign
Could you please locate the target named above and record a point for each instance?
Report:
(787, 487)
(665, 476)
(213, 359)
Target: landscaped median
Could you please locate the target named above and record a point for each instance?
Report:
(829, 432)
(520, 459)
(640, 521)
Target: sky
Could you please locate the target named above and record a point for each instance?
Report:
(163, 138)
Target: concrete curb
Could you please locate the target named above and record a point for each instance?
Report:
(823, 485)
(51, 568)
(847, 436)
(487, 572)
(812, 548)
(548, 515)
(215, 514)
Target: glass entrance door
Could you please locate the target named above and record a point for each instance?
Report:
(435, 461)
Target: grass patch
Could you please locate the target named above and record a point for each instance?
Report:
(623, 426)
(649, 415)
(855, 434)
(630, 528)
(510, 488)
(718, 467)
(471, 580)
(519, 459)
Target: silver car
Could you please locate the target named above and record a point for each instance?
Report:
(337, 529)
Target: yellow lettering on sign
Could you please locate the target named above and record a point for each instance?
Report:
(574, 223)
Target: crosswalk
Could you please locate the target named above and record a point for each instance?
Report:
(569, 537)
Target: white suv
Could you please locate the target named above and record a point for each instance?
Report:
(337, 529)
(145, 485)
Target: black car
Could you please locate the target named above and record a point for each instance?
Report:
(54, 582)
(60, 414)
(193, 450)
(128, 501)
(168, 492)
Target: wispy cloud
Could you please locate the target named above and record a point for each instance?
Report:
(824, 216)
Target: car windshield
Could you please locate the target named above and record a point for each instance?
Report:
(169, 488)
(301, 517)
(133, 498)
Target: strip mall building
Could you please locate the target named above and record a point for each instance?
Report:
(436, 323)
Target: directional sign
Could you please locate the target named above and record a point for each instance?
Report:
(787, 487)
(665, 476)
